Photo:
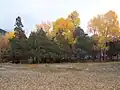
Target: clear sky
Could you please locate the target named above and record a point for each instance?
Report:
(35, 11)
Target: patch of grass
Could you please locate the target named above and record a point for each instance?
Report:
(90, 67)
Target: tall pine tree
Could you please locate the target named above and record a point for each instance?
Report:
(19, 42)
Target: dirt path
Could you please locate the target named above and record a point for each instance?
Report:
(60, 76)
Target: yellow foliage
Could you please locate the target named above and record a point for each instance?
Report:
(10, 35)
(74, 17)
(106, 27)
(4, 40)
(67, 26)
(63, 24)
(112, 24)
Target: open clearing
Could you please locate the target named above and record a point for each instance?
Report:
(69, 76)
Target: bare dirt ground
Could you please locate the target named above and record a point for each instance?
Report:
(77, 76)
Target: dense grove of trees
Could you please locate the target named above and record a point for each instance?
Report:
(63, 41)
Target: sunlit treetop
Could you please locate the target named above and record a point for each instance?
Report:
(63, 24)
(74, 17)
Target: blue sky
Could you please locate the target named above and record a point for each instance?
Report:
(35, 11)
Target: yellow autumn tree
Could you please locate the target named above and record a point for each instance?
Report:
(106, 27)
(4, 42)
(66, 27)
(112, 25)
(4, 39)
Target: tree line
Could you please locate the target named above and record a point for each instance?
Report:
(63, 41)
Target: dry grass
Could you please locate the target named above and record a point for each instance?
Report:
(77, 76)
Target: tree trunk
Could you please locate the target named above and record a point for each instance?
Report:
(104, 55)
(101, 55)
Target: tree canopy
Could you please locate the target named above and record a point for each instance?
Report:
(63, 40)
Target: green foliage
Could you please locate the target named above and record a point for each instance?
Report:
(19, 42)
(41, 47)
(84, 43)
